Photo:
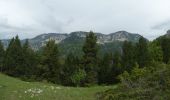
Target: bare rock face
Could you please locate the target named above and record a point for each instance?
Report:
(41, 40)
(118, 36)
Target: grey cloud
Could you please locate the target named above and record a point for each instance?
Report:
(31, 17)
(164, 25)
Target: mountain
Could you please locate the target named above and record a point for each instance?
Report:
(167, 33)
(73, 42)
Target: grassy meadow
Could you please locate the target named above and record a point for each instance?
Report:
(15, 89)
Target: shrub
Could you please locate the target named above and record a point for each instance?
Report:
(78, 76)
(141, 84)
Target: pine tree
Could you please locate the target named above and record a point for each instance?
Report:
(7, 58)
(72, 65)
(13, 61)
(2, 52)
(143, 56)
(116, 67)
(30, 61)
(105, 69)
(128, 56)
(50, 62)
(156, 52)
(90, 58)
(165, 44)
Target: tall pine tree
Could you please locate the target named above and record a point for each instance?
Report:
(2, 52)
(105, 69)
(50, 62)
(165, 44)
(116, 68)
(72, 64)
(30, 61)
(155, 51)
(90, 58)
(128, 56)
(13, 61)
(142, 55)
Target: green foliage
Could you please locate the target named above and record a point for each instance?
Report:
(141, 84)
(128, 56)
(72, 64)
(105, 69)
(155, 51)
(90, 58)
(30, 61)
(109, 68)
(15, 89)
(142, 55)
(78, 76)
(77, 70)
(13, 61)
(117, 67)
(165, 44)
(49, 63)
(2, 52)
(137, 73)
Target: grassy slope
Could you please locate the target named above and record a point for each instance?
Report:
(15, 89)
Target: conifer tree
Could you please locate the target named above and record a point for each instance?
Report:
(165, 44)
(50, 62)
(2, 52)
(72, 65)
(7, 58)
(156, 52)
(116, 68)
(143, 56)
(90, 58)
(30, 61)
(128, 56)
(18, 56)
(105, 69)
(13, 60)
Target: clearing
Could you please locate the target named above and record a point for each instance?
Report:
(15, 89)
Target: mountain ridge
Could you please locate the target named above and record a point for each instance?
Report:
(102, 38)
(73, 42)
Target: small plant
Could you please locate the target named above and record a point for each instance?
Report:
(78, 76)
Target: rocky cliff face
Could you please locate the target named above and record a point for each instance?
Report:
(118, 36)
(40, 40)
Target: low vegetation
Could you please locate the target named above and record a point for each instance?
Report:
(15, 89)
(142, 84)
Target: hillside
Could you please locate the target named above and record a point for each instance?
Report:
(73, 42)
(15, 89)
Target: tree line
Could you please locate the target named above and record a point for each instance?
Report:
(19, 60)
(149, 78)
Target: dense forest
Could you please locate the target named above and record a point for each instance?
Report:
(141, 69)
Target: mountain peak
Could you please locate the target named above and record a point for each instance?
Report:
(79, 33)
(167, 34)
(125, 36)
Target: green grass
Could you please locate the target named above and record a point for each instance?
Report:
(15, 89)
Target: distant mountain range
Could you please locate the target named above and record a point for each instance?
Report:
(73, 42)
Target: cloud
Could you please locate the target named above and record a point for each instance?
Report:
(164, 25)
(29, 18)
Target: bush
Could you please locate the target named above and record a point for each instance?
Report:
(78, 76)
(141, 84)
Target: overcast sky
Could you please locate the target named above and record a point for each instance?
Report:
(28, 18)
